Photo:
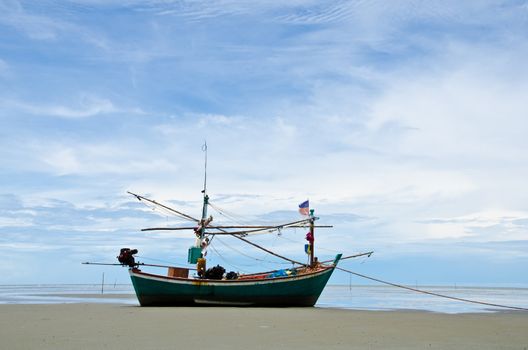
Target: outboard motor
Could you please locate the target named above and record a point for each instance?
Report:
(126, 257)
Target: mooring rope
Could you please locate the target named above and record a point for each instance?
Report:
(431, 293)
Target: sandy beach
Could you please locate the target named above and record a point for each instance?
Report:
(116, 326)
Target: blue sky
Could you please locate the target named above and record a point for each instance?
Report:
(403, 122)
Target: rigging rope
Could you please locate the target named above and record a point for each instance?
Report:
(228, 215)
(226, 261)
(167, 213)
(153, 259)
(246, 255)
(159, 205)
(431, 293)
(268, 251)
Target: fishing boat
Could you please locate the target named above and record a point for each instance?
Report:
(300, 285)
(302, 288)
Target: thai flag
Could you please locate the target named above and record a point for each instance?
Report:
(304, 208)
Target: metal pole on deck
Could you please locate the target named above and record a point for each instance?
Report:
(313, 237)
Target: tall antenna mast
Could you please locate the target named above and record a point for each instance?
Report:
(206, 197)
(204, 149)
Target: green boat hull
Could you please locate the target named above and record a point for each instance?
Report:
(300, 290)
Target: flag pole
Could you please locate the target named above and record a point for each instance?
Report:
(312, 219)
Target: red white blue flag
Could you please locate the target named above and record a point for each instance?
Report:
(304, 208)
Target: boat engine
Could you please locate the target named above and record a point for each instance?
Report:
(126, 257)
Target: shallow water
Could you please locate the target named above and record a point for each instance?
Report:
(67, 293)
(392, 298)
(334, 296)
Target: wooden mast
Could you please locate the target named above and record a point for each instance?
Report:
(312, 232)
(200, 261)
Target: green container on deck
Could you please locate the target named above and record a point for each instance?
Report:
(194, 254)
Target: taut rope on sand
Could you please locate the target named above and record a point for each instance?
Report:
(431, 293)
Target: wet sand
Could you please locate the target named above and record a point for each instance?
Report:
(113, 326)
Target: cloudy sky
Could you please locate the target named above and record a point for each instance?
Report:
(403, 122)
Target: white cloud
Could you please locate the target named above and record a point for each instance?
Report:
(14, 14)
(10, 221)
(52, 25)
(87, 159)
(216, 119)
(498, 225)
(92, 108)
(62, 160)
(458, 114)
(87, 106)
